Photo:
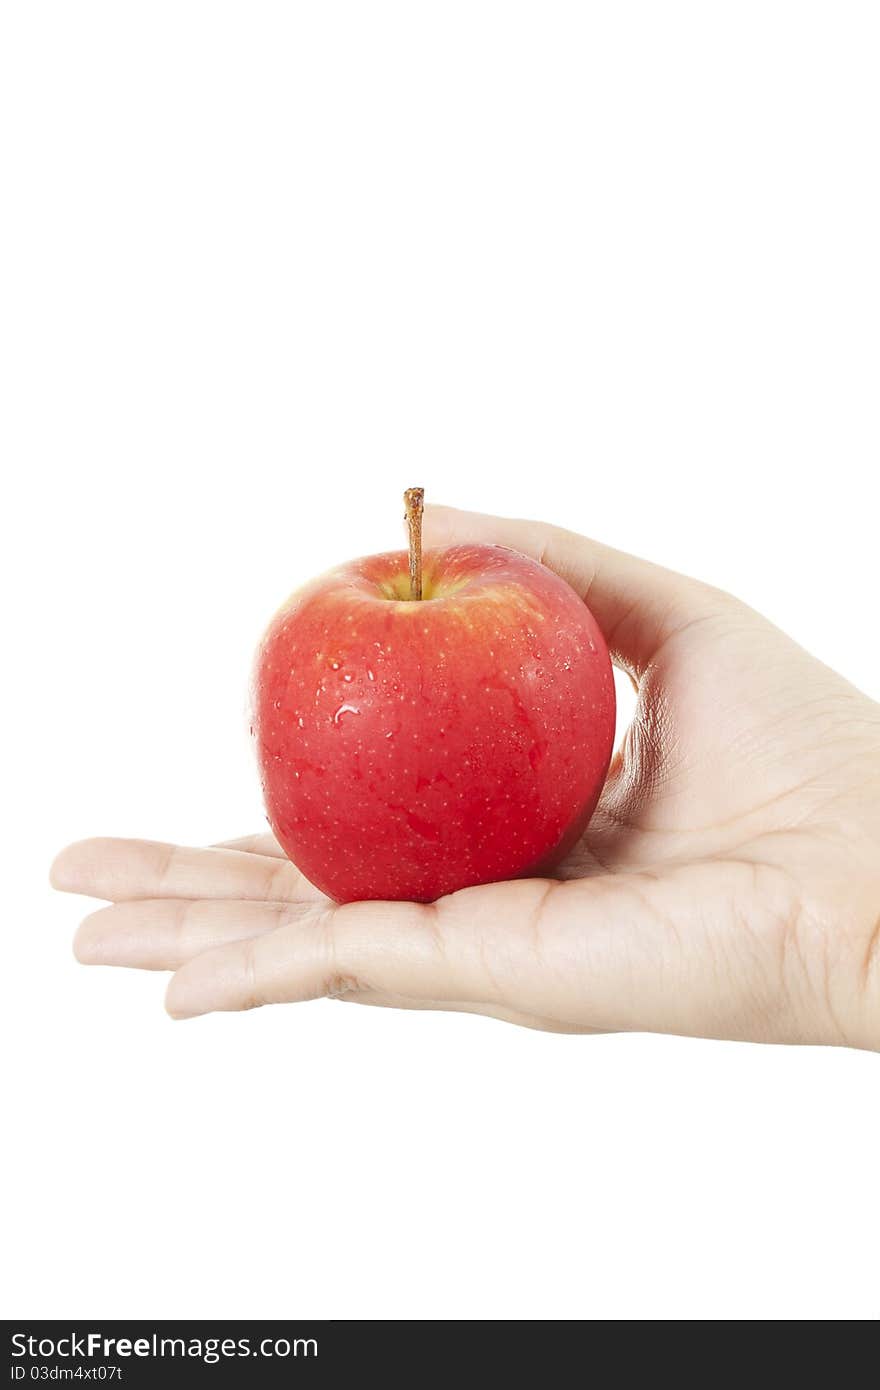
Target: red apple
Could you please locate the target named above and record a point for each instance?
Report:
(410, 747)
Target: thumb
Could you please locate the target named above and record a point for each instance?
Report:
(638, 605)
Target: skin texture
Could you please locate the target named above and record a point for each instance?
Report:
(409, 749)
(727, 886)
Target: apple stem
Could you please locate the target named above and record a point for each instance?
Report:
(414, 499)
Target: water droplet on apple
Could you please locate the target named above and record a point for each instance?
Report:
(347, 676)
(334, 665)
(592, 645)
(277, 704)
(390, 733)
(344, 709)
(301, 722)
(370, 675)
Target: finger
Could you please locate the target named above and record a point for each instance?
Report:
(290, 965)
(254, 844)
(119, 870)
(638, 605)
(162, 934)
(476, 948)
(628, 952)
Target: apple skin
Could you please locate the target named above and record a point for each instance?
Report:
(411, 748)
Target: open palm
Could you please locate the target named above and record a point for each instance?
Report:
(728, 885)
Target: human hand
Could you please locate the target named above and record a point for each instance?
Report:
(727, 886)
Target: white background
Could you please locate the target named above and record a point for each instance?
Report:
(263, 266)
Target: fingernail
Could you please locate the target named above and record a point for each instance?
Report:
(59, 876)
(178, 1009)
(86, 945)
